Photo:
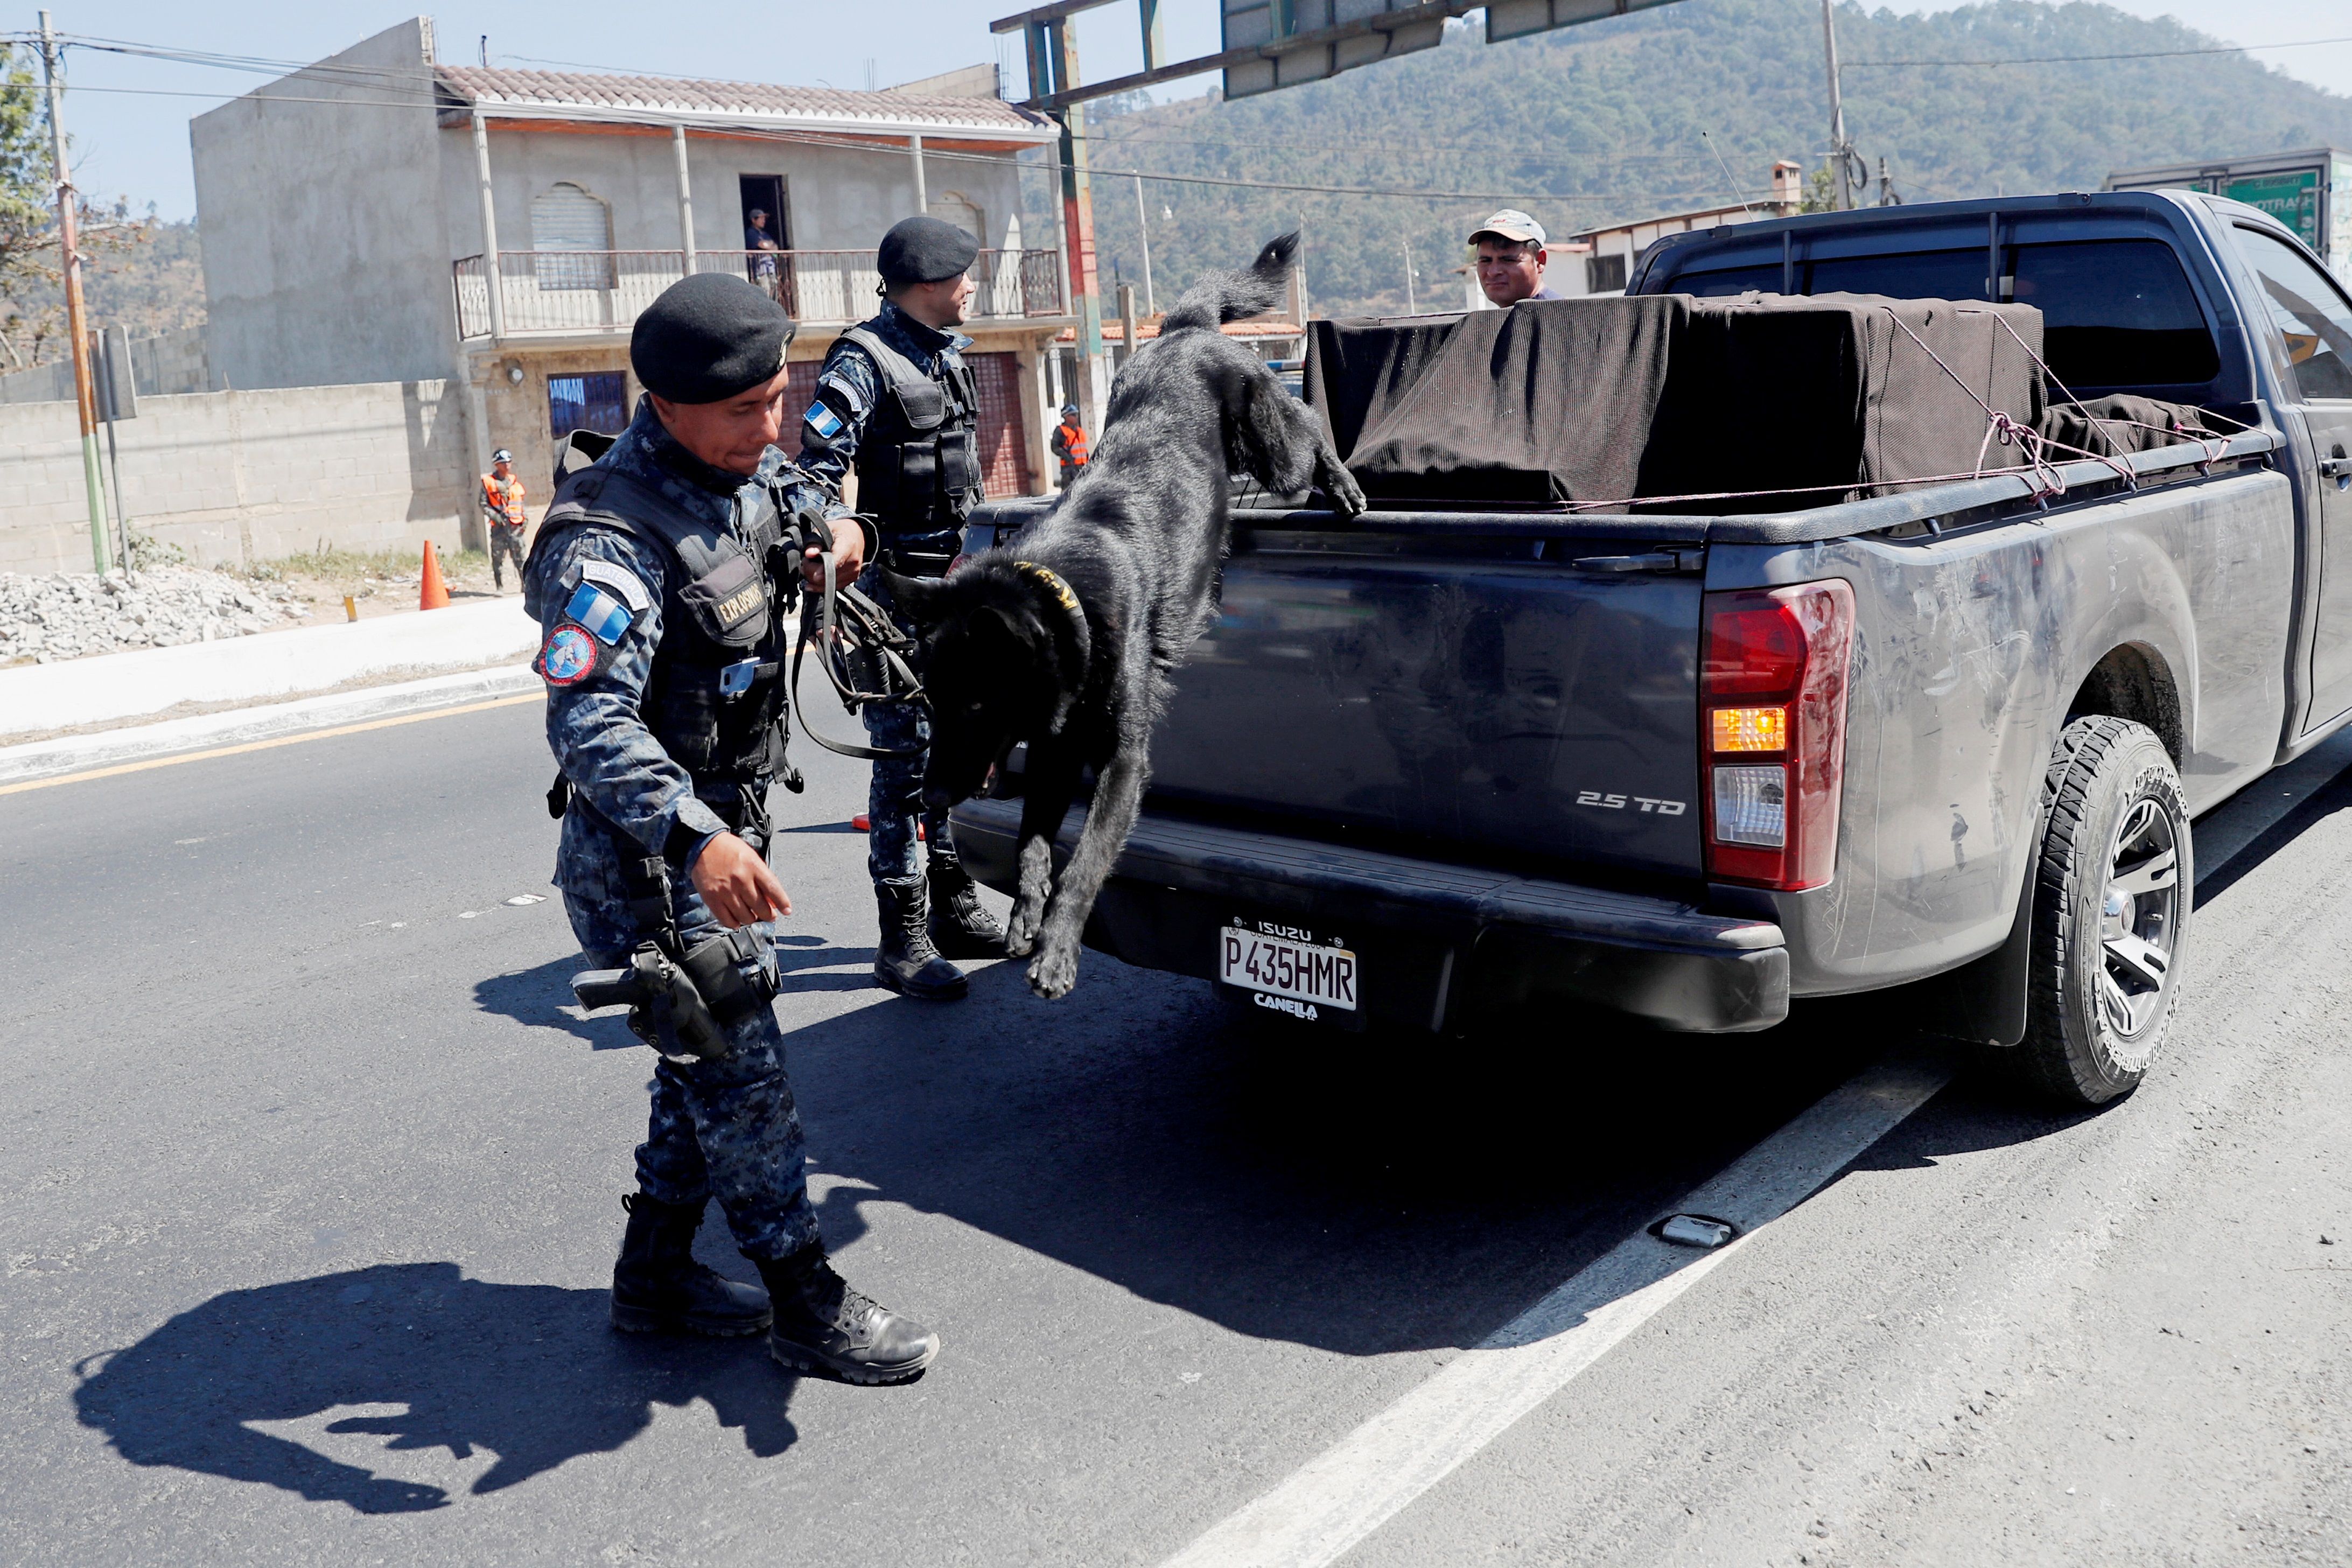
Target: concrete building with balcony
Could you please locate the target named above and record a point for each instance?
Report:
(380, 217)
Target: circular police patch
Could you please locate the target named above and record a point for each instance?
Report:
(568, 657)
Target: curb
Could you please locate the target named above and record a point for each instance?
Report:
(261, 667)
(72, 753)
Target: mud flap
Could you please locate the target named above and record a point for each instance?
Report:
(1983, 1002)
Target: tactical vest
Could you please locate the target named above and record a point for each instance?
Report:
(716, 697)
(918, 461)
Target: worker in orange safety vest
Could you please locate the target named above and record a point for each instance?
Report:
(502, 505)
(1069, 444)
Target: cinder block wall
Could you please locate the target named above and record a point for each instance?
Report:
(169, 362)
(233, 477)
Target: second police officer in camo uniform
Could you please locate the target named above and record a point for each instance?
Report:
(895, 402)
(659, 578)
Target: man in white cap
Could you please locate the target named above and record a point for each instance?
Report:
(1511, 257)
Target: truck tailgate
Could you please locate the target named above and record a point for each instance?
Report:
(1523, 696)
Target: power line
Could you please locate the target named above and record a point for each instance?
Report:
(838, 140)
(2071, 59)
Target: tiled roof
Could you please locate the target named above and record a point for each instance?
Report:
(1145, 330)
(491, 85)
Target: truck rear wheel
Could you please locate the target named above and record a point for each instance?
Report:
(2111, 898)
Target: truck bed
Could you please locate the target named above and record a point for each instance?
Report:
(1507, 704)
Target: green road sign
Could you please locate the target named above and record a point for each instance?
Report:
(2291, 197)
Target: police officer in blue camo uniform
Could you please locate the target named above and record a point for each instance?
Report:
(660, 577)
(895, 402)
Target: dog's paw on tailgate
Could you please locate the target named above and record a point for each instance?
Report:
(1053, 972)
(1347, 495)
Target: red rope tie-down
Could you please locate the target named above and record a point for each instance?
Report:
(2033, 447)
(2213, 446)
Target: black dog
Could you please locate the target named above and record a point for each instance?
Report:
(1066, 639)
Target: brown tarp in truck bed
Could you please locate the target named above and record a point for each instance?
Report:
(1664, 394)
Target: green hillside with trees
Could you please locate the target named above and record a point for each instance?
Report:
(1613, 120)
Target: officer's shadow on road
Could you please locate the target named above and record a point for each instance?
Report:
(533, 1374)
(542, 997)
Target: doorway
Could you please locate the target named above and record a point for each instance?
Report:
(770, 233)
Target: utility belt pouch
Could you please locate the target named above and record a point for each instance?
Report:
(715, 967)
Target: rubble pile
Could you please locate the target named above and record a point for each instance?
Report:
(67, 615)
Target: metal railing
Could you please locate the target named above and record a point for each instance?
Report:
(576, 291)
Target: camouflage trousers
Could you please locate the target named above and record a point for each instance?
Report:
(727, 1129)
(506, 539)
(894, 800)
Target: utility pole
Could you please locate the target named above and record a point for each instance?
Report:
(1840, 150)
(1411, 306)
(1053, 60)
(1144, 227)
(685, 201)
(77, 322)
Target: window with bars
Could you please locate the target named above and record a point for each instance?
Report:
(591, 400)
(566, 218)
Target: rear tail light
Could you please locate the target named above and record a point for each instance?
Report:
(1772, 694)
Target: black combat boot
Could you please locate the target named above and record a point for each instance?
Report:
(961, 925)
(658, 1287)
(823, 1325)
(905, 959)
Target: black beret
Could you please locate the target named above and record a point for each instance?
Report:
(709, 337)
(924, 250)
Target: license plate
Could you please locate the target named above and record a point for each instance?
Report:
(1289, 965)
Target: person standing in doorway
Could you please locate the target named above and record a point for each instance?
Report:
(1069, 444)
(762, 248)
(502, 507)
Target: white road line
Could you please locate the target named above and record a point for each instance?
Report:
(1370, 1474)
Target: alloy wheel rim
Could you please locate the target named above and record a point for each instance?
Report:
(2138, 926)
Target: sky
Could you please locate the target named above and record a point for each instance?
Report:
(129, 122)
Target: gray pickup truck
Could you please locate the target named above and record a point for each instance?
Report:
(1456, 770)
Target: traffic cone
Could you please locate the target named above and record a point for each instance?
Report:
(432, 594)
(865, 824)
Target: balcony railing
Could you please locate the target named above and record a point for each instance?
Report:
(567, 292)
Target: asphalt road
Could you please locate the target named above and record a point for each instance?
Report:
(309, 1183)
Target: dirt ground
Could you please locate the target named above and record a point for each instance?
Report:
(382, 583)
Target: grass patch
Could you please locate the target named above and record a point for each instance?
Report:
(337, 564)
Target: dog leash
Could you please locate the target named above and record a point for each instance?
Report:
(875, 632)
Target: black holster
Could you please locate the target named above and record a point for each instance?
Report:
(680, 999)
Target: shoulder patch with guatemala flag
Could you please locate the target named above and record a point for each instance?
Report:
(599, 613)
(822, 420)
(580, 645)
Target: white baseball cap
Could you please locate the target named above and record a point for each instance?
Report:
(1510, 223)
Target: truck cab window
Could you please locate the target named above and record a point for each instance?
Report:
(2115, 313)
(2313, 345)
(1921, 275)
